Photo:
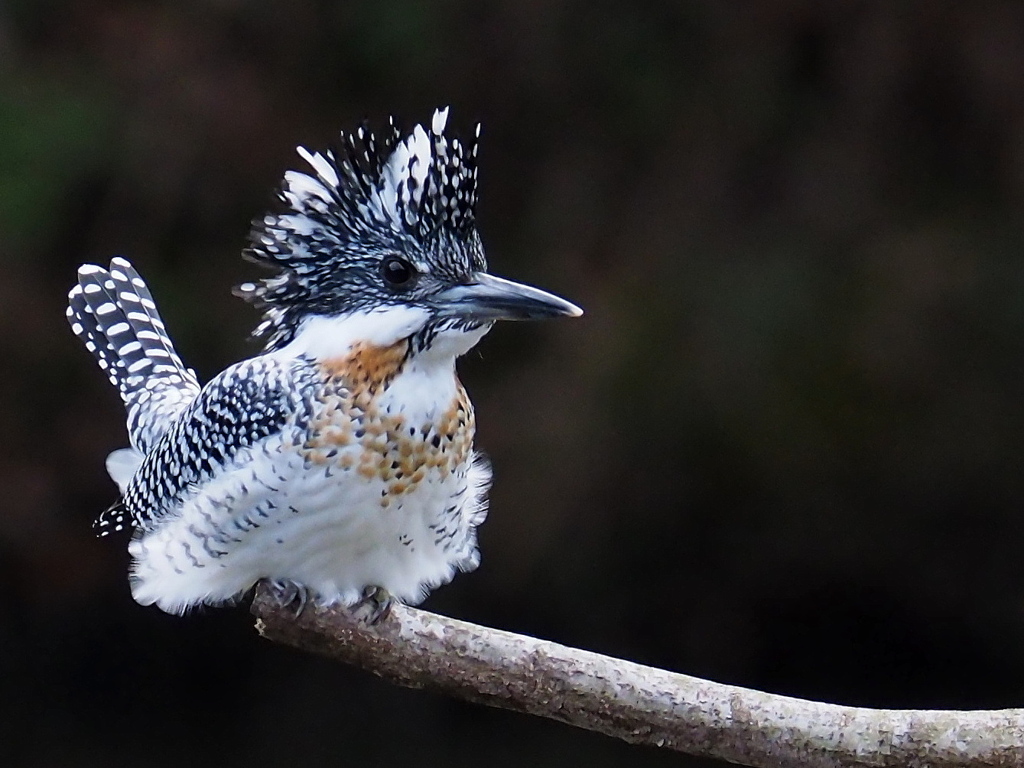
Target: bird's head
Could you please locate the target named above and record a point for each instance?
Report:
(380, 244)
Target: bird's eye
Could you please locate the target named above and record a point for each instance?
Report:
(398, 273)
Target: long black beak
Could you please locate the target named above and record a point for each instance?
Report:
(486, 298)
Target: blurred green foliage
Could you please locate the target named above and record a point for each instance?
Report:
(54, 136)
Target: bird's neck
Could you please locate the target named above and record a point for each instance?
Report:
(366, 367)
(374, 353)
(322, 337)
(390, 379)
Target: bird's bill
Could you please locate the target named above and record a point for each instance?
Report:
(486, 298)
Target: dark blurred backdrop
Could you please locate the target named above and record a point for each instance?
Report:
(782, 449)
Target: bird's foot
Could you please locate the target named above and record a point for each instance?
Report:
(374, 606)
(292, 595)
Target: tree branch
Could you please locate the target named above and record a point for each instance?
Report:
(640, 704)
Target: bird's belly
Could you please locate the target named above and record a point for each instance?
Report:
(333, 517)
(358, 532)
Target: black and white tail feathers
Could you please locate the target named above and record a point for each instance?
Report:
(113, 312)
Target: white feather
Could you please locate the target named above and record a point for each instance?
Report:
(322, 337)
(320, 165)
(439, 121)
(303, 189)
(404, 175)
(122, 465)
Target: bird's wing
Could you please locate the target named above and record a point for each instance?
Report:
(240, 409)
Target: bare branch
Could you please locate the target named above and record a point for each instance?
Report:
(641, 704)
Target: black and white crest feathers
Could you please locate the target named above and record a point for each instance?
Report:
(414, 194)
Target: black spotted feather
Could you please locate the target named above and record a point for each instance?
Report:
(113, 312)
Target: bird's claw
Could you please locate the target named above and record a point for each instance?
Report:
(374, 606)
(292, 595)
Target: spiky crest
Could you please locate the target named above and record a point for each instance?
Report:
(412, 193)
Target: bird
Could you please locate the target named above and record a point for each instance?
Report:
(338, 464)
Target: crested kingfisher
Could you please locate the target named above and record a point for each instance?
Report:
(339, 462)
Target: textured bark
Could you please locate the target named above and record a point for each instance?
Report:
(640, 704)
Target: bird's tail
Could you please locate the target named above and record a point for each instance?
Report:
(113, 312)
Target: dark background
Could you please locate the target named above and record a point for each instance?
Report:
(782, 449)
